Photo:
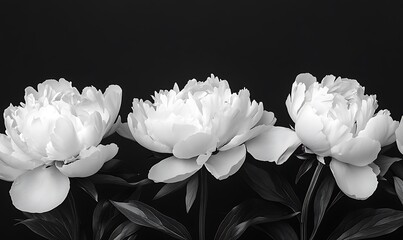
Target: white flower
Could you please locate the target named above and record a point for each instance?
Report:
(336, 119)
(55, 135)
(204, 124)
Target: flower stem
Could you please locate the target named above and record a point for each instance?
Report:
(203, 204)
(305, 205)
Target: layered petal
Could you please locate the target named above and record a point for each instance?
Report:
(356, 182)
(226, 163)
(359, 151)
(39, 190)
(275, 145)
(173, 169)
(113, 100)
(144, 139)
(381, 128)
(8, 173)
(241, 138)
(11, 155)
(309, 128)
(114, 127)
(197, 144)
(89, 161)
(64, 141)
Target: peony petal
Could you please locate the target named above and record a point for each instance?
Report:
(380, 128)
(295, 100)
(114, 127)
(195, 145)
(17, 160)
(64, 141)
(145, 140)
(267, 118)
(8, 173)
(309, 129)
(274, 145)
(356, 182)
(399, 136)
(239, 139)
(359, 151)
(124, 131)
(201, 159)
(226, 163)
(91, 132)
(90, 161)
(113, 100)
(39, 190)
(173, 169)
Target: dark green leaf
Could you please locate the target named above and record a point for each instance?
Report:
(368, 223)
(384, 163)
(110, 179)
(339, 195)
(278, 231)
(250, 213)
(399, 188)
(47, 229)
(124, 230)
(87, 186)
(322, 198)
(304, 168)
(191, 191)
(271, 186)
(397, 169)
(386, 186)
(170, 188)
(65, 215)
(112, 165)
(146, 216)
(103, 213)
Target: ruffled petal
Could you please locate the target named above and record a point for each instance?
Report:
(113, 100)
(381, 128)
(267, 118)
(195, 145)
(145, 140)
(8, 173)
(114, 127)
(226, 163)
(64, 141)
(275, 145)
(89, 161)
(359, 151)
(356, 182)
(91, 132)
(241, 138)
(173, 169)
(17, 160)
(309, 129)
(39, 190)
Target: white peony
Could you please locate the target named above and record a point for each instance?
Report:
(204, 124)
(336, 119)
(55, 135)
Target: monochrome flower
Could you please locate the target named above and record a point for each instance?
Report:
(335, 118)
(55, 135)
(204, 124)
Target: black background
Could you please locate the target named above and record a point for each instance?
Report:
(147, 45)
